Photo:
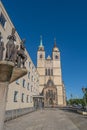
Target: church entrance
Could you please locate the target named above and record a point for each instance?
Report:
(50, 94)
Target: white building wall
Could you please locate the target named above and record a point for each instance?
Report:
(18, 85)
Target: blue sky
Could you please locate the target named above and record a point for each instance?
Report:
(65, 20)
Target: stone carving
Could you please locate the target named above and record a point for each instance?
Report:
(1, 47)
(10, 45)
(21, 55)
(15, 55)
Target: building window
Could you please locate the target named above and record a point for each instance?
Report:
(45, 71)
(41, 56)
(56, 57)
(22, 98)
(28, 85)
(24, 83)
(15, 96)
(2, 20)
(51, 72)
(27, 99)
(31, 99)
(32, 79)
(17, 81)
(29, 75)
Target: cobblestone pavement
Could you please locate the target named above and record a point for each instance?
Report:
(48, 119)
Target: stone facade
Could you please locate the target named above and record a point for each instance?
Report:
(51, 68)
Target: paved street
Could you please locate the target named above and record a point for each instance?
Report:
(52, 119)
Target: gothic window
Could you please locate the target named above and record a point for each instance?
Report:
(41, 56)
(56, 57)
(15, 96)
(2, 20)
(48, 71)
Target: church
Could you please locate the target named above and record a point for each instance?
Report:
(51, 85)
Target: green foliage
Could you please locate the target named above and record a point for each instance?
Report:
(75, 101)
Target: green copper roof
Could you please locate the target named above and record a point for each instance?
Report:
(41, 43)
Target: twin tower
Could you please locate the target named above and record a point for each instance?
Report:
(50, 77)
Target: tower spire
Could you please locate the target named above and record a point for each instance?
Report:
(55, 48)
(55, 42)
(41, 47)
(41, 43)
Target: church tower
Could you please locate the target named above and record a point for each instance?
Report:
(41, 65)
(50, 77)
(57, 75)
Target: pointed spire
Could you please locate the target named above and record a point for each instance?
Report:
(41, 43)
(55, 42)
(55, 48)
(41, 47)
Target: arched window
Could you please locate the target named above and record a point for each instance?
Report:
(41, 56)
(56, 57)
(48, 71)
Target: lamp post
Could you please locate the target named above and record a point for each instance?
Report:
(85, 92)
(71, 98)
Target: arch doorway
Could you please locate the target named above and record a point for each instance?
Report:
(50, 94)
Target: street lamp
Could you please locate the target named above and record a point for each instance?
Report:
(85, 92)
